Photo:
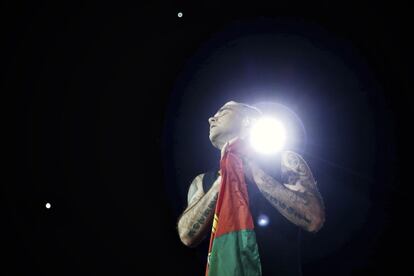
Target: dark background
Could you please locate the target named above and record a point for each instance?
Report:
(109, 106)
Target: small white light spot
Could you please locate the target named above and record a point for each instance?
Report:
(180, 14)
(263, 220)
(48, 205)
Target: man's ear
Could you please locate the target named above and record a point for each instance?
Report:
(245, 126)
(246, 122)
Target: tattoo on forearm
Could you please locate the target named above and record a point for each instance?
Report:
(271, 184)
(207, 212)
(291, 211)
(298, 198)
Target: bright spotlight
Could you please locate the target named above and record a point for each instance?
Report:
(268, 135)
(263, 220)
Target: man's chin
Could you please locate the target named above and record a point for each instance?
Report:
(215, 143)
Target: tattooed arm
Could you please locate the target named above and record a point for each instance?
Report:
(299, 199)
(196, 219)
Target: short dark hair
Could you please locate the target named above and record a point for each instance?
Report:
(249, 111)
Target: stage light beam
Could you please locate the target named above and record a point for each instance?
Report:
(268, 135)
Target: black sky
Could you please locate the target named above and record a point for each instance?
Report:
(110, 102)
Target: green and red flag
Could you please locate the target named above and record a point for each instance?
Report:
(233, 249)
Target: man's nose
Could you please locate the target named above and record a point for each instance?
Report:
(211, 120)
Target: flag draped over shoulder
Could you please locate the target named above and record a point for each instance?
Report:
(233, 250)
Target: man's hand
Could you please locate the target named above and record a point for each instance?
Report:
(228, 143)
(245, 153)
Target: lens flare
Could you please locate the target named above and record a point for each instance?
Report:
(263, 220)
(268, 135)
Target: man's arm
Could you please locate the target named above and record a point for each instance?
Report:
(298, 200)
(196, 219)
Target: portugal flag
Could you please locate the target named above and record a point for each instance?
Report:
(233, 249)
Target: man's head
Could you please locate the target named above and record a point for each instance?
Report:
(231, 120)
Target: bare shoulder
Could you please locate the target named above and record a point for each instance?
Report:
(195, 190)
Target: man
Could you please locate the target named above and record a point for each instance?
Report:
(287, 197)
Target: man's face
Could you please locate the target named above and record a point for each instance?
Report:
(225, 124)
